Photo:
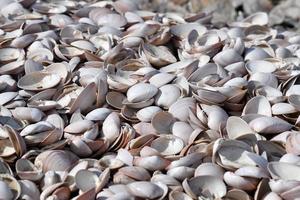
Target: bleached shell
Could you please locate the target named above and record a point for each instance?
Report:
(258, 105)
(239, 182)
(227, 57)
(98, 114)
(141, 92)
(151, 163)
(177, 195)
(236, 127)
(162, 122)
(251, 171)
(111, 126)
(38, 81)
(283, 108)
(263, 66)
(284, 171)
(30, 114)
(161, 79)
(145, 189)
(10, 54)
(181, 172)
(182, 130)
(146, 114)
(79, 126)
(168, 145)
(137, 173)
(264, 79)
(205, 186)
(209, 169)
(269, 125)
(37, 127)
(167, 95)
(181, 107)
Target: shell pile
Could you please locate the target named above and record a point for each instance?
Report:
(106, 101)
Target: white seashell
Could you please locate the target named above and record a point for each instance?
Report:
(141, 92)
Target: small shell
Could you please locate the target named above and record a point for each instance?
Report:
(146, 114)
(145, 190)
(37, 81)
(227, 57)
(269, 125)
(168, 145)
(206, 186)
(141, 92)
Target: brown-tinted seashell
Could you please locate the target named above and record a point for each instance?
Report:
(56, 160)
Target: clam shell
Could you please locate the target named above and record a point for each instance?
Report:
(284, 171)
(111, 126)
(227, 57)
(269, 125)
(145, 189)
(167, 95)
(37, 81)
(205, 186)
(141, 92)
(168, 145)
(146, 114)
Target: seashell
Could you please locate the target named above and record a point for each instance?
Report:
(176, 195)
(162, 122)
(151, 163)
(256, 54)
(239, 182)
(40, 54)
(98, 114)
(11, 54)
(137, 173)
(146, 114)
(166, 179)
(205, 186)
(79, 126)
(23, 41)
(269, 125)
(182, 130)
(182, 30)
(167, 145)
(209, 169)
(145, 189)
(26, 170)
(272, 195)
(56, 160)
(236, 127)
(181, 173)
(167, 95)
(30, 114)
(224, 150)
(258, 105)
(82, 102)
(264, 79)
(111, 19)
(37, 81)
(180, 108)
(250, 171)
(237, 194)
(277, 172)
(283, 108)
(158, 56)
(29, 190)
(111, 126)
(10, 187)
(263, 66)
(161, 79)
(227, 57)
(141, 92)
